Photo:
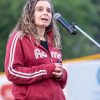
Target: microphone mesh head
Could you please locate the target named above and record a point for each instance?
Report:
(56, 16)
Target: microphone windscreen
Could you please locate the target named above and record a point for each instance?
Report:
(56, 16)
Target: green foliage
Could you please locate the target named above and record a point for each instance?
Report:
(85, 13)
(10, 11)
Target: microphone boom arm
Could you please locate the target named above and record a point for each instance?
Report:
(72, 28)
(85, 34)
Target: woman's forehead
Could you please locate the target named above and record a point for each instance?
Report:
(43, 3)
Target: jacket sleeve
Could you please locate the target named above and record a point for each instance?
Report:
(20, 74)
(63, 80)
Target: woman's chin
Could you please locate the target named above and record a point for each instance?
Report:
(43, 25)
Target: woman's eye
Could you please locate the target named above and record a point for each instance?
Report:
(49, 10)
(42, 9)
(39, 9)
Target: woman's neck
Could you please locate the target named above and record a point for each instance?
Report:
(41, 33)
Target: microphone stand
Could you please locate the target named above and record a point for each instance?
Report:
(85, 34)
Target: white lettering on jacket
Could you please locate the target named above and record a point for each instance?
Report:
(39, 53)
(42, 54)
(55, 55)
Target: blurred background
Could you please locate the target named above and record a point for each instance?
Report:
(84, 13)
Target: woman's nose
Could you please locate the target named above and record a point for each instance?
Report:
(45, 12)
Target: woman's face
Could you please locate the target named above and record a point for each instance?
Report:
(43, 14)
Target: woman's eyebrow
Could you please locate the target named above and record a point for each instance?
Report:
(42, 6)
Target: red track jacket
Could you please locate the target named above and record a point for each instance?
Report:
(29, 66)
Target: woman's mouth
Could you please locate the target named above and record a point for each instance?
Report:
(44, 19)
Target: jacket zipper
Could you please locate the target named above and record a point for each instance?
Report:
(51, 62)
(50, 80)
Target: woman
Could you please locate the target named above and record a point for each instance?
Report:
(33, 57)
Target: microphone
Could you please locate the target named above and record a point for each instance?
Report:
(70, 27)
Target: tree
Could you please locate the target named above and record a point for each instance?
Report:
(9, 13)
(79, 12)
(85, 13)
